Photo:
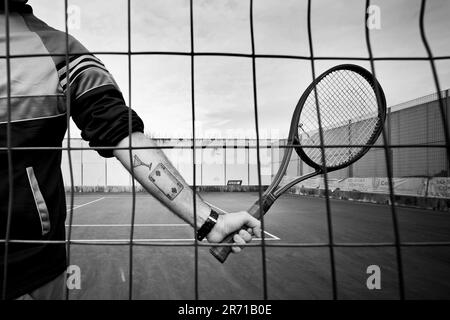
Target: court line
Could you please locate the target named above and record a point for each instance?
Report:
(273, 236)
(214, 207)
(223, 211)
(145, 240)
(153, 225)
(122, 275)
(85, 204)
(129, 225)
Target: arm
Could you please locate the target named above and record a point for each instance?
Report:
(160, 178)
(99, 110)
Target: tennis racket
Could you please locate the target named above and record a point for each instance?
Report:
(340, 111)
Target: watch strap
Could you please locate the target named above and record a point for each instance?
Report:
(207, 225)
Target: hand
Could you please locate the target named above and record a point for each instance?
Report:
(232, 222)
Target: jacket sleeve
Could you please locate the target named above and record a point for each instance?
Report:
(97, 105)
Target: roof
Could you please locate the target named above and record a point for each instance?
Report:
(418, 101)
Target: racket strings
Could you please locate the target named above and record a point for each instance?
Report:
(338, 89)
(357, 87)
(335, 97)
(349, 116)
(361, 101)
(364, 89)
(365, 125)
(341, 135)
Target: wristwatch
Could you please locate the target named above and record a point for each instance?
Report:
(207, 225)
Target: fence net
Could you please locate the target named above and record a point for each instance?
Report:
(392, 149)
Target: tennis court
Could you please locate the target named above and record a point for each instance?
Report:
(164, 271)
(216, 84)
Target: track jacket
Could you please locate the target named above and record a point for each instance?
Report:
(38, 110)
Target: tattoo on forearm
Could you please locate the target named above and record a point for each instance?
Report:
(138, 162)
(161, 177)
(166, 182)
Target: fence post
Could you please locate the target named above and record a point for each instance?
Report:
(106, 174)
(248, 160)
(274, 159)
(350, 167)
(225, 161)
(448, 124)
(82, 167)
(389, 140)
(201, 163)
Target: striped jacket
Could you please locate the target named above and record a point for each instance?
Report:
(37, 107)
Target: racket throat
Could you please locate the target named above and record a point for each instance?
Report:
(260, 207)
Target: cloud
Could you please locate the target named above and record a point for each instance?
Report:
(161, 25)
(161, 85)
(222, 26)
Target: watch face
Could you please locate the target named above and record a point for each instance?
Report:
(213, 216)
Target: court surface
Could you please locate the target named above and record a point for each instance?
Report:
(167, 272)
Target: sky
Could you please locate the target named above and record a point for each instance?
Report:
(224, 106)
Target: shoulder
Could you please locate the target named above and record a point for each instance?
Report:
(76, 65)
(58, 43)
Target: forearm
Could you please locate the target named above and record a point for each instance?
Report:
(160, 178)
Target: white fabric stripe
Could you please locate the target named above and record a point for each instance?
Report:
(98, 79)
(32, 96)
(32, 107)
(78, 95)
(81, 65)
(39, 200)
(32, 119)
(73, 63)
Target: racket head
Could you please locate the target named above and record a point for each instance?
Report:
(352, 108)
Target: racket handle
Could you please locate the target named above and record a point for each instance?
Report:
(222, 253)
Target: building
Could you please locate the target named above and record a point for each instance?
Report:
(416, 122)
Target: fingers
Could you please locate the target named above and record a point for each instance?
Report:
(250, 221)
(234, 222)
(253, 224)
(241, 238)
(245, 235)
(257, 231)
(253, 227)
(238, 240)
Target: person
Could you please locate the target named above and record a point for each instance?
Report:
(36, 95)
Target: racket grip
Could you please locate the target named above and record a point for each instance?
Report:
(222, 253)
